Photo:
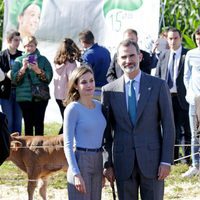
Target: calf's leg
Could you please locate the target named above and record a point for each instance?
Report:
(43, 188)
(32, 184)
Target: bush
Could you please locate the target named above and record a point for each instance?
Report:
(184, 15)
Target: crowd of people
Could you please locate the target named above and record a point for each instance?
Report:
(148, 108)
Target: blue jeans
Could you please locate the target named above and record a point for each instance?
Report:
(13, 112)
(194, 138)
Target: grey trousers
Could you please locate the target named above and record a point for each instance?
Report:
(91, 168)
(150, 189)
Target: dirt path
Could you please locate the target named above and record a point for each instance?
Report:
(19, 193)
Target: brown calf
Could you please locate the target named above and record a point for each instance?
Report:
(38, 156)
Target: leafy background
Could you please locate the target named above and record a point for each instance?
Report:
(182, 14)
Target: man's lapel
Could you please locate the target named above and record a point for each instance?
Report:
(182, 60)
(145, 92)
(164, 67)
(120, 99)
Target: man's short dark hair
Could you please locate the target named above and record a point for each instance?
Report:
(86, 37)
(197, 32)
(129, 30)
(173, 29)
(127, 43)
(11, 34)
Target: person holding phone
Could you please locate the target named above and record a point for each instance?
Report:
(27, 71)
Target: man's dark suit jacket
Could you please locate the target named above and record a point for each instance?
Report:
(162, 71)
(4, 139)
(146, 141)
(115, 71)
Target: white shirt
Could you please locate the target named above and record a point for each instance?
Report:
(192, 75)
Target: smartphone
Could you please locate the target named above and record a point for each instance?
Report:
(32, 59)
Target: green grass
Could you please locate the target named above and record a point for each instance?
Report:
(176, 187)
(52, 128)
(49, 128)
(181, 188)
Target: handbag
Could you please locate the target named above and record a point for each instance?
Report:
(39, 90)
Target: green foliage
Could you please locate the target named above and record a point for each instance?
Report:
(184, 15)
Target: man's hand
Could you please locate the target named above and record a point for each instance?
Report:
(109, 174)
(163, 171)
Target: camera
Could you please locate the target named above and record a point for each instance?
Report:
(32, 59)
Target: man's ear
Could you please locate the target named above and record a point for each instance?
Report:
(140, 56)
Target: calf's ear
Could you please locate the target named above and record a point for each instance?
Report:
(15, 145)
(14, 134)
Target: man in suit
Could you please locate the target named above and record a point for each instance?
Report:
(138, 147)
(115, 71)
(172, 61)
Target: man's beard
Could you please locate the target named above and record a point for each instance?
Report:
(130, 69)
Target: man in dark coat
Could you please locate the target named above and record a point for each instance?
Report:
(4, 138)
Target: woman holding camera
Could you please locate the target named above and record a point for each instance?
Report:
(30, 69)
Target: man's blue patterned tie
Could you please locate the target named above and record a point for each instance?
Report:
(132, 102)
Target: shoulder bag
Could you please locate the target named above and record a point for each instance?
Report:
(40, 90)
